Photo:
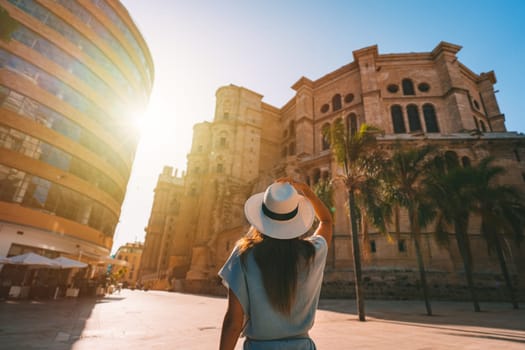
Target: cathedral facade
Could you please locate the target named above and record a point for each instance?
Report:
(415, 98)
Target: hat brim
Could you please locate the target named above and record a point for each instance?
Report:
(279, 229)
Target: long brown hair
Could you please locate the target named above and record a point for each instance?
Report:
(280, 261)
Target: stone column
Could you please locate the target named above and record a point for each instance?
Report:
(370, 91)
(490, 104)
(456, 95)
(304, 116)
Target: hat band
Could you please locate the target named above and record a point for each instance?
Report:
(277, 216)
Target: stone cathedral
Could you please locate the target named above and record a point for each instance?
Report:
(415, 98)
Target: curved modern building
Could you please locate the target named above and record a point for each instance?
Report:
(72, 76)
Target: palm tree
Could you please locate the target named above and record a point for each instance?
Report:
(405, 174)
(453, 195)
(502, 212)
(356, 154)
(501, 208)
(325, 191)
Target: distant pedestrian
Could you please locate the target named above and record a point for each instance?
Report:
(274, 273)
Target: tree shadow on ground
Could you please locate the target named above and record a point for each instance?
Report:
(497, 321)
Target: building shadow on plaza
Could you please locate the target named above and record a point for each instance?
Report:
(47, 323)
(497, 321)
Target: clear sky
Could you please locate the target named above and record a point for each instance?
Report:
(267, 45)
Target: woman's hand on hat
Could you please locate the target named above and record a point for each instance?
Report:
(299, 186)
(321, 211)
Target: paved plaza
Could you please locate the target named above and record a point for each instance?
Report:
(163, 320)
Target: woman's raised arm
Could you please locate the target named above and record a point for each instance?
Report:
(321, 211)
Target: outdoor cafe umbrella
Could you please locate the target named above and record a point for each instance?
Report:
(66, 263)
(33, 260)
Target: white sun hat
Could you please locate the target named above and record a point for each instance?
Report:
(280, 212)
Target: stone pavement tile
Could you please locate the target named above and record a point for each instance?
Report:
(162, 320)
(46, 324)
(154, 320)
(403, 325)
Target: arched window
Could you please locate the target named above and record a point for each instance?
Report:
(373, 248)
(292, 127)
(336, 102)
(414, 123)
(325, 136)
(429, 113)
(284, 152)
(352, 123)
(483, 127)
(291, 149)
(408, 87)
(222, 141)
(465, 161)
(451, 160)
(397, 119)
(439, 163)
(401, 245)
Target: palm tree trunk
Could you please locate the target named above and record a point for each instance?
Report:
(357, 256)
(416, 232)
(461, 239)
(505, 272)
(423, 276)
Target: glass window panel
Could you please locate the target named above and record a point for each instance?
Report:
(414, 122)
(33, 110)
(408, 87)
(429, 114)
(397, 119)
(40, 194)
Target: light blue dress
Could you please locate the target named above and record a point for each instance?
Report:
(265, 328)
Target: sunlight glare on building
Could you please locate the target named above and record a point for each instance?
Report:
(73, 76)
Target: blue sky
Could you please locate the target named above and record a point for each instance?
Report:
(266, 46)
